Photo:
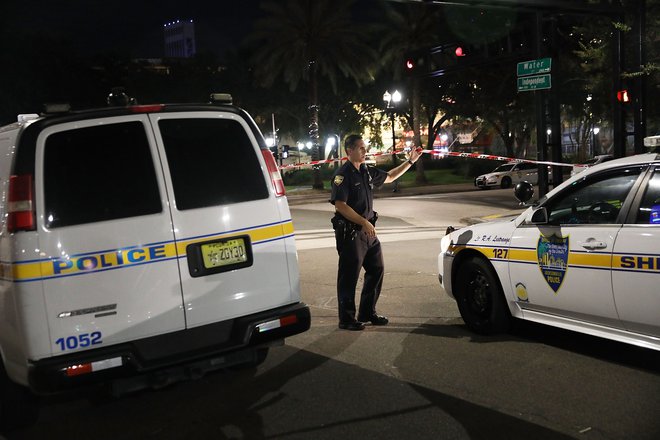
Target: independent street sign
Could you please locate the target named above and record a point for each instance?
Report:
(536, 82)
(532, 67)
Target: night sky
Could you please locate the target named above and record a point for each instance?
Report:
(134, 27)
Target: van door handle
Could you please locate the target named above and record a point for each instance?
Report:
(592, 244)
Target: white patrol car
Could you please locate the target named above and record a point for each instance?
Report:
(586, 257)
(508, 174)
(139, 245)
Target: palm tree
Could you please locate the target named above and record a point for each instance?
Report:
(302, 39)
(413, 29)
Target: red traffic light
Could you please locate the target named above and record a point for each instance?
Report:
(459, 52)
(622, 96)
(410, 64)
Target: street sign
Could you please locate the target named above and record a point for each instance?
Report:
(532, 67)
(536, 82)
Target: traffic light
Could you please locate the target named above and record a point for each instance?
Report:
(622, 96)
(459, 51)
(410, 64)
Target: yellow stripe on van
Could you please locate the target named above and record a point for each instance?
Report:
(125, 257)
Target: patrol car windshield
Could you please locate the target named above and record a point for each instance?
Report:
(503, 168)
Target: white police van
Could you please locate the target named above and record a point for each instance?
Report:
(139, 245)
(586, 258)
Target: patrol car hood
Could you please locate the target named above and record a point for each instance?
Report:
(499, 230)
(489, 175)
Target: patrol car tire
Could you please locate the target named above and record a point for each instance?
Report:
(506, 182)
(480, 298)
(18, 406)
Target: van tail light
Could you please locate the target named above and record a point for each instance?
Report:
(21, 215)
(275, 175)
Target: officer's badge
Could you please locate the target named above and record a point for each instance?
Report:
(338, 180)
(552, 253)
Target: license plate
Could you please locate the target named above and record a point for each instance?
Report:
(224, 253)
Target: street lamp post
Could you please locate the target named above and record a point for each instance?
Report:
(391, 101)
(594, 142)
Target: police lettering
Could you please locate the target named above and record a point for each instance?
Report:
(119, 258)
(639, 262)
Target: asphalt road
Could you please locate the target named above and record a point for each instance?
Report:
(424, 376)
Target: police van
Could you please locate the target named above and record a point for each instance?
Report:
(586, 257)
(139, 245)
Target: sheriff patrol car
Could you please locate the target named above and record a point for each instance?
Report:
(586, 258)
(139, 245)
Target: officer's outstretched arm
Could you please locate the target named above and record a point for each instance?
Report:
(397, 172)
(349, 214)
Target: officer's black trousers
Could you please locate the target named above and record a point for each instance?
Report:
(354, 254)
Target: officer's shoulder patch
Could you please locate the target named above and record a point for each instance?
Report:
(338, 179)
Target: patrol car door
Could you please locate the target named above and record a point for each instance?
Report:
(562, 267)
(222, 207)
(636, 262)
(105, 235)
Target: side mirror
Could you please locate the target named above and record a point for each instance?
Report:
(540, 216)
(523, 191)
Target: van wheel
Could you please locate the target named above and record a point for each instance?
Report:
(480, 298)
(18, 406)
(260, 355)
(506, 182)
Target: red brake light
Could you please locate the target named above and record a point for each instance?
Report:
(146, 108)
(21, 216)
(275, 175)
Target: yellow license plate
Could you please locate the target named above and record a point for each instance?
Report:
(224, 253)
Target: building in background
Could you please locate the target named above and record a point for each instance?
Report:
(179, 39)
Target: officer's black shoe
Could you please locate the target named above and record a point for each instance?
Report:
(375, 319)
(351, 325)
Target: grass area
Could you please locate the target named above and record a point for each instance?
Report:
(434, 177)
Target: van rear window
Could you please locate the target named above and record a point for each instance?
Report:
(99, 173)
(212, 162)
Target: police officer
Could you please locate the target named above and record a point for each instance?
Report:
(355, 233)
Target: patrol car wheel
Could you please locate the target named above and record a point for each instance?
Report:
(480, 298)
(506, 182)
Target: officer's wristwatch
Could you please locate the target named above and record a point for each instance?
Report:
(411, 162)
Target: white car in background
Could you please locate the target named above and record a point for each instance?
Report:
(578, 168)
(509, 174)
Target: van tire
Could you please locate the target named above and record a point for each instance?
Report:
(260, 355)
(480, 298)
(19, 407)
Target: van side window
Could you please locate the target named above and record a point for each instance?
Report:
(212, 162)
(99, 173)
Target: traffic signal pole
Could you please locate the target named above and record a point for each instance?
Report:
(539, 106)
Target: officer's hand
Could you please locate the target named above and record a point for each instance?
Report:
(369, 229)
(415, 154)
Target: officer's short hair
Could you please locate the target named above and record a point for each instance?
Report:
(351, 140)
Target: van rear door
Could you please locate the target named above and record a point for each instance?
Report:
(229, 233)
(106, 248)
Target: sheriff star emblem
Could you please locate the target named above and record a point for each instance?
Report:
(338, 180)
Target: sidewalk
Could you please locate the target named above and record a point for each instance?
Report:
(305, 194)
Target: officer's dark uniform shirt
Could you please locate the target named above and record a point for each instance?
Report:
(355, 187)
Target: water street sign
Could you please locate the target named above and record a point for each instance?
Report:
(532, 67)
(537, 82)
